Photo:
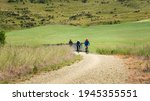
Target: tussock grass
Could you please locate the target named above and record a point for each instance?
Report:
(18, 61)
(142, 50)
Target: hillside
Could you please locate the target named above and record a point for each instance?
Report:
(17, 14)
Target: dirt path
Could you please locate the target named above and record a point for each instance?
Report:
(91, 70)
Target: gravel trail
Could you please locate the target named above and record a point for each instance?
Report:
(93, 69)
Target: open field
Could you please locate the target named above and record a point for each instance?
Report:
(121, 38)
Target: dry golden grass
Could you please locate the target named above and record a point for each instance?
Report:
(16, 62)
(139, 68)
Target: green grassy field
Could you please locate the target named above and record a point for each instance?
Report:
(127, 35)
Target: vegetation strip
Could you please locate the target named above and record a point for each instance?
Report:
(18, 62)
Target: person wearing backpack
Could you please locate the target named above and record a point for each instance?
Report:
(86, 44)
(78, 45)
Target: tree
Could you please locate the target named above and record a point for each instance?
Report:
(2, 37)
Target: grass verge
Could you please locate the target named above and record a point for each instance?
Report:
(142, 50)
(19, 62)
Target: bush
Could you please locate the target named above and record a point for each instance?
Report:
(84, 1)
(2, 37)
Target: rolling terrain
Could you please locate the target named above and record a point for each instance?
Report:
(113, 27)
(24, 14)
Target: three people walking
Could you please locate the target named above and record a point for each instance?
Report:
(78, 45)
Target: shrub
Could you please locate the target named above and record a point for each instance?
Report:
(84, 1)
(2, 37)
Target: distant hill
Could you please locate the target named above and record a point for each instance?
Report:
(16, 14)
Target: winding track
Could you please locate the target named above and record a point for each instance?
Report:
(93, 69)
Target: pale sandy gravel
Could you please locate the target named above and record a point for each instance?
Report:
(93, 69)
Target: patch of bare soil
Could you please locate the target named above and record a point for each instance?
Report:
(139, 69)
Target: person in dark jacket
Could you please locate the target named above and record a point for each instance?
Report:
(78, 45)
(70, 42)
(86, 43)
